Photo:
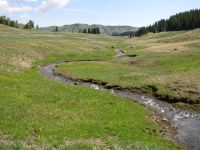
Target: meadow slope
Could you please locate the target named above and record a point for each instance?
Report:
(38, 113)
(165, 64)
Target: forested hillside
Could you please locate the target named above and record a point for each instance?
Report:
(182, 21)
(14, 23)
(7, 21)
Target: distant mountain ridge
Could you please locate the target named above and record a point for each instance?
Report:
(106, 30)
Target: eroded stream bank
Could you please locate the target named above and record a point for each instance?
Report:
(187, 123)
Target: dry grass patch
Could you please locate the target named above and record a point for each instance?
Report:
(21, 62)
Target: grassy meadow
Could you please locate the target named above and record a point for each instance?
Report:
(38, 113)
(166, 64)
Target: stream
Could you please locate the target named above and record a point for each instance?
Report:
(186, 123)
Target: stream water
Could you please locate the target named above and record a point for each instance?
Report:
(187, 123)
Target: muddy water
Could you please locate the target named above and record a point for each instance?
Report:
(187, 123)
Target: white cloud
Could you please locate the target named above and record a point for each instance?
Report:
(25, 16)
(22, 1)
(11, 7)
(49, 5)
(30, 0)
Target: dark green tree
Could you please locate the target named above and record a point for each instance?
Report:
(182, 21)
(84, 30)
(29, 25)
(89, 31)
(7, 21)
(97, 30)
(56, 29)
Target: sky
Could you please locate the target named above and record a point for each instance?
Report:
(107, 12)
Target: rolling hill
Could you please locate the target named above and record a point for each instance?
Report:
(106, 30)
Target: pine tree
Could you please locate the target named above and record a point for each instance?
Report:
(183, 21)
(84, 30)
(56, 29)
(29, 25)
(89, 31)
(97, 30)
(7, 21)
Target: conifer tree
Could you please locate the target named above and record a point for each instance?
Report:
(183, 21)
(89, 31)
(7, 21)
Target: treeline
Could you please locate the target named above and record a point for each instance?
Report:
(14, 23)
(29, 25)
(90, 30)
(56, 29)
(183, 21)
(8, 22)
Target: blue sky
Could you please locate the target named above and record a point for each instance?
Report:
(108, 12)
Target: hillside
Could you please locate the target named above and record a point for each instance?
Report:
(39, 113)
(6, 21)
(187, 20)
(105, 30)
(165, 64)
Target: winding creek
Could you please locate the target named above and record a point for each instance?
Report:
(186, 123)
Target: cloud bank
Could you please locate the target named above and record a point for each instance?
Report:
(49, 5)
(12, 6)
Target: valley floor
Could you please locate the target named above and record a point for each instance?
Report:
(38, 113)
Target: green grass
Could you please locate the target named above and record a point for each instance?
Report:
(164, 71)
(57, 113)
(174, 73)
(38, 113)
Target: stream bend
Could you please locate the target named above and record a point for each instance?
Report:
(186, 123)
